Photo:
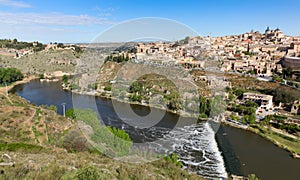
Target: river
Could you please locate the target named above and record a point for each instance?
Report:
(211, 155)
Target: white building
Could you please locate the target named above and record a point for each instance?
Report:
(266, 103)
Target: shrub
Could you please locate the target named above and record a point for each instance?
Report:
(107, 88)
(65, 79)
(174, 158)
(53, 108)
(89, 173)
(41, 76)
(74, 141)
(70, 113)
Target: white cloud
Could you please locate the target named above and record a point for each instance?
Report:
(51, 19)
(104, 12)
(55, 26)
(48, 34)
(14, 3)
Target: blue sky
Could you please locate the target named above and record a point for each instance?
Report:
(82, 21)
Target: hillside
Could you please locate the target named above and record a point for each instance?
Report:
(44, 61)
(44, 145)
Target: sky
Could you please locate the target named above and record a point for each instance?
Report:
(80, 21)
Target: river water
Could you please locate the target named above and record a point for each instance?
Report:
(201, 150)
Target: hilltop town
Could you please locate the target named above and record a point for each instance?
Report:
(252, 52)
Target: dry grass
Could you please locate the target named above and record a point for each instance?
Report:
(45, 156)
(42, 62)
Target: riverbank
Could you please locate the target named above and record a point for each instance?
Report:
(280, 140)
(23, 81)
(108, 96)
(284, 142)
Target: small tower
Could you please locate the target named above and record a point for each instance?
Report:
(267, 33)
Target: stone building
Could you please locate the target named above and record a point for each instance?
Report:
(295, 109)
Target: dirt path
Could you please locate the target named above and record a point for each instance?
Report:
(42, 128)
(4, 94)
(28, 123)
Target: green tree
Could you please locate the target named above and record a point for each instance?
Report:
(252, 118)
(174, 104)
(203, 105)
(42, 76)
(65, 79)
(107, 88)
(127, 57)
(251, 104)
(60, 45)
(231, 97)
(238, 93)
(9, 75)
(136, 87)
(249, 119)
(71, 113)
(135, 97)
(287, 72)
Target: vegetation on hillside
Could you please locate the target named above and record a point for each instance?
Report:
(280, 92)
(62, 151)
(9, 75)
(108, 139)
(41, 62)
(283, 94)
(15, 44)
(117, 58)
(277, 121)
(153, 84)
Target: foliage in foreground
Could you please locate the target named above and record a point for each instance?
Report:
(174, 159)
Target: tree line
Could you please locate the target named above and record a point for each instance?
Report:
(117, 58)
(10, 75)
(15, 44)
